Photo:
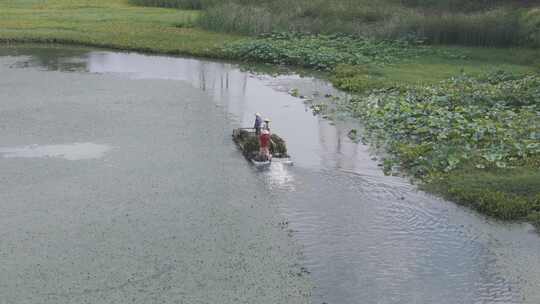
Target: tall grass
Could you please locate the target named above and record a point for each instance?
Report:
(311, 16)
(457, 5)
(498, 27)
(531, 26)
(183, 4)
(462, 22)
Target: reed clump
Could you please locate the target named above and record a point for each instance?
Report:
(182, 4)
(500, 23)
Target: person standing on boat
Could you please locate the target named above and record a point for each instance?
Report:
(258, 124)
(264, 143)
(267, 124)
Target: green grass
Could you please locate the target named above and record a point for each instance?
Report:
(433, 69)
(108, 23)
(508, 194)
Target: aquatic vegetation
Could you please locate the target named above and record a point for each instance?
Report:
(353, 135)
(325, 52)
(294, 92)
(319, 108)
(358, 78)
(493, 122)
(463, 127)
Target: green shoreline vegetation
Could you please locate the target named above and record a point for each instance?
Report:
(462, 119)
(110, 24)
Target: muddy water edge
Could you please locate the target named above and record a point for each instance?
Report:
(169, 210)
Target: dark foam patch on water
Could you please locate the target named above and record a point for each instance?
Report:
(76, 151)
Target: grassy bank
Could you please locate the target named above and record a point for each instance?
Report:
(508, 194)
(360, 64)
(112, 24)
(497, 175)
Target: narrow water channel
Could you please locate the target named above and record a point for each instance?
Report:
(364, 237)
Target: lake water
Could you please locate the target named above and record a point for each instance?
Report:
(120, 182)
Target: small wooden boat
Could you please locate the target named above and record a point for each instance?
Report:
(261, 163)
(248, 142)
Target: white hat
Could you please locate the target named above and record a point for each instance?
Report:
(258, 114)
(267, 119)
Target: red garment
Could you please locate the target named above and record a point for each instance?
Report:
(264, 140)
